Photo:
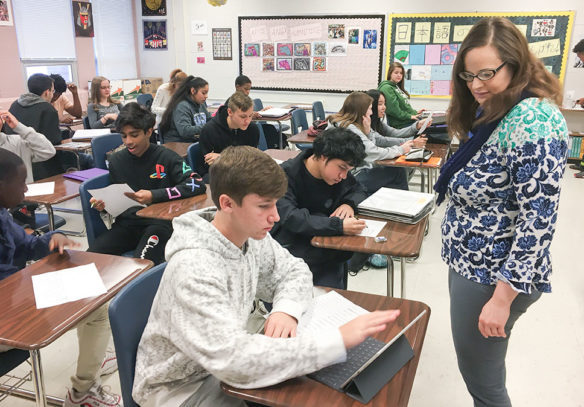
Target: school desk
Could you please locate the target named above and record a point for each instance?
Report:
(279, 120)
(302, 138)
(302, 391)
(178, 147)
(282, 155)
(74, 147)
(23, 326)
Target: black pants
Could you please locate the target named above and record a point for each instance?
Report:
(332, 275)
(147, 241)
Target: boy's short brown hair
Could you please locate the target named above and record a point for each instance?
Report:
(244, 170)
(239, 100)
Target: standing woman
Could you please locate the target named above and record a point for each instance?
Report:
(399, 112)
(186, 113)
(164, 93)
(504, 189)
(102, 111)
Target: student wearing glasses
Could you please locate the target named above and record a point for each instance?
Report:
(504, 188)
(102, 110)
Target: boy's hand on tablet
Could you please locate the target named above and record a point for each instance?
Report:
(280, 325)
(59, 241)
(97, 204)
(343, 211)
(357, 330)
(142, 196)
(407, 146)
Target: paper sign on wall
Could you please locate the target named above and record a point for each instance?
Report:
(403, 33)
(422, 32)
(543, 49)
(441, 33)
(198, 27)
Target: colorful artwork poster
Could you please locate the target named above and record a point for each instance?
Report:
(251, 50)
(441, 72)
(336, 31)
(268, 64)
(402, 53)
(417, 54)
(155, 34)
(440, 88)
(337, 49)
(319, 64)
(302, 64)
(448, 53)
(268, 49)
(432, 56)
(543, 27)
(200, 60)
(370, 39)
(302, 49)
(319, 49)
(353, 36)
(421, 87)
(6, 13)
(83, 19)
(200, 46)
(284, 49)
(153, 7)
(283, 64)
(221, 40)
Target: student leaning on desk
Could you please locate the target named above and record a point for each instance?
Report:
(219, 261)
(16, 248)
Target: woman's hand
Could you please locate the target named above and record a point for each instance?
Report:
(496, 311)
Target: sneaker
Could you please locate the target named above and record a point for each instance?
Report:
(96, 396)
(109, 364)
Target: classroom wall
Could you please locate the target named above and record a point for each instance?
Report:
(221, 74)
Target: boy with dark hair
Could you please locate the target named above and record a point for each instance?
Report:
(243, 84)
(219, 260)
(157, 174)
(34, 109)
(63, 104)
(231, 126)
(321, 200)
(16, 248)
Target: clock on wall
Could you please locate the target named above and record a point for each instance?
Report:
(153, 7)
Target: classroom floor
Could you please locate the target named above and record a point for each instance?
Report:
(545, 363)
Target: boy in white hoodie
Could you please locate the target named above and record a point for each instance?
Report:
(219, 261)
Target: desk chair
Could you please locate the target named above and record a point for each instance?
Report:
(299, 120)
(262, 144)
(94, 225)
(101, 145)
(86, 123)
(193, 156)
(145, 100)
(128, 314)
(318, 111)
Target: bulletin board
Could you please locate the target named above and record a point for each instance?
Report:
(427, 44)
(312, 53)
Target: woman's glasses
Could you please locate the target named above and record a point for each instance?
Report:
(483, 75)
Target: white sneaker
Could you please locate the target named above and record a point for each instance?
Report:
(109, 364)
(96, 396)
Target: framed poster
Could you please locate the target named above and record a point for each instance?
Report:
(153, 7)
(221, 38)
(5, 13)
(155, 34)
(83, 19)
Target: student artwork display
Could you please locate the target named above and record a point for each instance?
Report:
(319, 64)
(284, 64)
(370, 39)
(302, 64)
(337, 49)
(200, 60)
(284, 49)
(302, 49)
(252, 50)
(353, 36)
(268, 49)
(268, 64)
(221, 38)
(155, 34)
(153, 7)
(427, 44)
(336, 31)
(5, 13)
(83, 19)
(319, 49)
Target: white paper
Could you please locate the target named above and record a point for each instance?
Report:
(42, 188)
(277, 161)
(275, 112)
(90, 133)
(425, 124)
(328, 311)
(198, 27)
(113, 197)
(372, 228)
(62, 286)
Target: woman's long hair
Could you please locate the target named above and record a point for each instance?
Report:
(392, 67)
(375, 119)
(527, 74)
(353, 110)
(94, 92)
(182, 93)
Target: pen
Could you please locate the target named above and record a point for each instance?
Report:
(92, 204)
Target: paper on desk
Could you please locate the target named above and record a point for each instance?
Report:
(327, 311)
(90, 133)
(372, 228)
(58, 287)
(275, 112)
(113, 197)
(425, 124)
(42, 188)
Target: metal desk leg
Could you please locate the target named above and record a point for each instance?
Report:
(403, 277)
(389, 276)
(280, 134)
(51, 217)
(37, 378)
(422, 180)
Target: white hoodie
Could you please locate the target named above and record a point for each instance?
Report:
(197, 325)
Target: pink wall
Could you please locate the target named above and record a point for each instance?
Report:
(12, 76)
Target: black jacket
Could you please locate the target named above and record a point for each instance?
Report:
(305, 209)
(217, 136)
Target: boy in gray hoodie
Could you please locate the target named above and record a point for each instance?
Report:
(219, 261)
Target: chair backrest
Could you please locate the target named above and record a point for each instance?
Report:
(128, 315)
(86, 122)
(193, 156)
(318, 111)
(257, 105)
(94, 225)
(298, 120)
(145, 99)
(101, 145)
(12, 358)
(263, 144)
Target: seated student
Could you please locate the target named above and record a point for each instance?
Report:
(321, 200)
(102, 110)
(16, 248)
(219, 260)
(34, 109)
(186, 113)
(26, 143)
(231, 126)
(355, 115)
(61, 103)
(164, 93)
(157, 174)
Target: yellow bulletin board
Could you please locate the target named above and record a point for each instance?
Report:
(427, 44)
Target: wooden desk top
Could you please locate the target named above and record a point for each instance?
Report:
(282, 155)
(287, 116)
(436, 161)
(24, 326)
(301, 137)
(171, 209)
(303, 106)
(302, 391)
(178, 147)
(74, 146)
(65, 189)
(403, 240)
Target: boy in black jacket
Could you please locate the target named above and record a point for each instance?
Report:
(321, 200)
(231, 126)
(157, 174)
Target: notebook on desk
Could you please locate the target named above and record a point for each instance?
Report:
(275, 112)
(396, 204)
(86, 134)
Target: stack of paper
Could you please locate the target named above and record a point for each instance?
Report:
(114, 198)
(89, 133)
(275, 112)
(85, 174)
(398, 205)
